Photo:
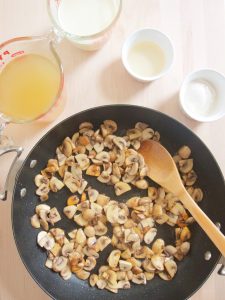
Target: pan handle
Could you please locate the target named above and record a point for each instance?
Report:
(4, 150)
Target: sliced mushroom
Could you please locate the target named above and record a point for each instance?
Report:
(43, 191)
(171, 267)
(90, 252)
(127, 178)
(96, 208)
(40, 236)
(83, 161)
(88, 214)
(184, 152)
(35, 221)
(107, 167)
(76, 171)
(67, 249)
(148, 266)
(48, 263)
(134, 133)
(158, 262)
(110, 125)
(80, 220)
(157, 211)
(141, 184)
(56, 250)
(158, 246)
(44, 224)
(93, 194)
(152, 192)
(190, 178)
(82, 187)
(121, 188)
(82, 274)
(185, 165)
(90, 263)
(40, 207)
(89, 231)
(185, 248)
(54, 216)
(67, 148)
(104, 177)
(103, 242)
(176, 158)
(91, 241)
(103, 156)
(139, 278)
(101, 284)
(93, 279)
(114, 258)
(149, 275)
(123, 284)
(148, 222)
(70, 211)
(71, 182)
(164, 275)
(141, 126)
(150, 235)
(120, 142)
(66, 273)
(100, 229)
(185, 234)
(86, 125)
(80, 237)
(59, 263)
(147, 134)
(197, 195)
(112, 278)
(72, 234)
(102, 200)
(170, 250)
(55, 184)
(45, 240)
(40, 179)
(93, 170)
(124, 265)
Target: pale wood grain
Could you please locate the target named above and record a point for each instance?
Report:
(92, 79)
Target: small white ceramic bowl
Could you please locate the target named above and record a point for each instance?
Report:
(217, 82)
(149, 35)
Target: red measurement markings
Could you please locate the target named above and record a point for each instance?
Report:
(4, 53)
(17, 53)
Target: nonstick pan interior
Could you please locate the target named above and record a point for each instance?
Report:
(192, 271)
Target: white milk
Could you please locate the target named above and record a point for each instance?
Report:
(146, 59)
(86, 17)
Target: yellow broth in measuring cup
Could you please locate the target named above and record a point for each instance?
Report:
(29, 85)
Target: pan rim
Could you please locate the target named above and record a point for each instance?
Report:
(77, 114)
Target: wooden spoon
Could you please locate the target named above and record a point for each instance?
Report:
(162, 169)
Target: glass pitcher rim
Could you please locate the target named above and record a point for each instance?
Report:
(83, 37)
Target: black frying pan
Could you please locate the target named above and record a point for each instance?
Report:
(192, 271)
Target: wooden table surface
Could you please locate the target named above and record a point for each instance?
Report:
(197, 29)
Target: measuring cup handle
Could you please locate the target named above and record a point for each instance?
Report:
(4, 150)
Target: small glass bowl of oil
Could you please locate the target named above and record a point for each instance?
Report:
(147, 54)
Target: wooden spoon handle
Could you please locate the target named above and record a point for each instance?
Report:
(202, 219)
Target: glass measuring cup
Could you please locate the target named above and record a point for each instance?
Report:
(85, 42)
(42, 58)
(21, 55)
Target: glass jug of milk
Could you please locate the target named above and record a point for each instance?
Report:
(87, 23)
